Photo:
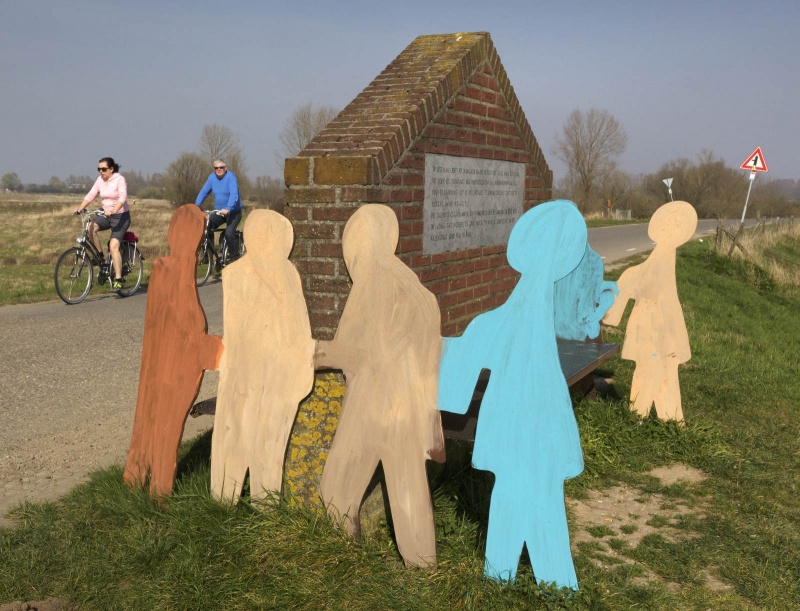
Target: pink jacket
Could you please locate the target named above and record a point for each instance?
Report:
(112, 191)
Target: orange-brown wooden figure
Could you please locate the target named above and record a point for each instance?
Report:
(388, 346)
(656, 337)
(176, 351)
(268, 364)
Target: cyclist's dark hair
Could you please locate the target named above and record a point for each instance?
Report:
(111, 164)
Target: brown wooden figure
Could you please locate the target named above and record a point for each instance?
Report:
(656, 337)
(176, 351)
(388, 346)
(268, 364)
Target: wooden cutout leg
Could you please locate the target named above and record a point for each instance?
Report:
(668, 400)
(228, 467)
(504, 533)
(414, 525)
(548, 540)
(643, 389)
(165, 459)
(266, 476)
(345, 478)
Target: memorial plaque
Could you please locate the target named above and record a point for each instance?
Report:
(470, 202)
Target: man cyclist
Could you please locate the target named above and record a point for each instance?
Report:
(224, 186)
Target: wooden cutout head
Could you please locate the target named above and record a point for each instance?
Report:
(268, 235)
(549, 238)
(185, 231)
(673, 224)
(371, 234)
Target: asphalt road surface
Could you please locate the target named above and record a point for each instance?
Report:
(69, 378)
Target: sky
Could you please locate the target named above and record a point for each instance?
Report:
(137, 81)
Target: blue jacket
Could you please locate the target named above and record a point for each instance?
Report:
(226, 192)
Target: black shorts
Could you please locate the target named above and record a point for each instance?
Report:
(118, 223)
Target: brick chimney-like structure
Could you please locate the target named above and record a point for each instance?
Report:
(445, 97)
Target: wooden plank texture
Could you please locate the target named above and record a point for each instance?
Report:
(268, 364)
(656, 337)
(387, 345)
(176, 351)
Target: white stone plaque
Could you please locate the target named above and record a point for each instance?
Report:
(470, 202)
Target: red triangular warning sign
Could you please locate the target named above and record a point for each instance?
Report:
(755, 162)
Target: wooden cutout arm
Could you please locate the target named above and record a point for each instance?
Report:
(210, 349)
(336, 354)
(458, 372)
(624, 294)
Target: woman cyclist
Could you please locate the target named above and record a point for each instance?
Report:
(113, 190)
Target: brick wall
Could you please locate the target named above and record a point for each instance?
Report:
(444, 94)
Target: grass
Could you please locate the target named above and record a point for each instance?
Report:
(105, 546)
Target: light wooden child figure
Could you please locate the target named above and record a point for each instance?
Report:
(656, 337)
(268, 364)
(175, 353)
(388, 346)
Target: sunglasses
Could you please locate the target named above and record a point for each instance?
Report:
(220, 167)
(103, 169)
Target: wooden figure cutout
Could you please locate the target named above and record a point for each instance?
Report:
(176, 351)
(268, 364)
(656, 337)
(582, 298)
(526, 432)
(387, 345)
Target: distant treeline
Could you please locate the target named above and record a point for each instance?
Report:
(265, 190)
(713, 188)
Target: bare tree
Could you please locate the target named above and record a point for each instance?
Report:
(590, 144)
(305, 123)
(220, 142)
(185, 178)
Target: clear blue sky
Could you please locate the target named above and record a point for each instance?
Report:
(139, 80)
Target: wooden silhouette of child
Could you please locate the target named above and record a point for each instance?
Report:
(268, 364)
(526, 432)
(387, 345)
(176, 351)
(656, 337)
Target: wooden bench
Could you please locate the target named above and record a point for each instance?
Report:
(578, 361)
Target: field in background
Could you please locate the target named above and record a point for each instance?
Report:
(36, 229)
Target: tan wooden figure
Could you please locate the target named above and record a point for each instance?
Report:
(656, 337)
(176, 351)
(268, 364)
(388, 346)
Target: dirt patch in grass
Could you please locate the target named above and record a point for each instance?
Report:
(616, 519)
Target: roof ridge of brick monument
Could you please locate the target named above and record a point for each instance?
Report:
(362, 144)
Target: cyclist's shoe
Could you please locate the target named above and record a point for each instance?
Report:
(118, 285)
(126, 268)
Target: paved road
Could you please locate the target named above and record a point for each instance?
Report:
(617, 242)
(68, 390)
(68, 386)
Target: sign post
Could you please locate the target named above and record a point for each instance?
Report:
(668, 182)
(755, 163)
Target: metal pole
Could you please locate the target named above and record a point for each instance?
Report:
(752, 178)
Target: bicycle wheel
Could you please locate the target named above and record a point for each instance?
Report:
(225, 251)
(240, 237)
(73, 275)
(132, 269)
(204, 262)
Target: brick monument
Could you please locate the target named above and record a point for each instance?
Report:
(440, 137)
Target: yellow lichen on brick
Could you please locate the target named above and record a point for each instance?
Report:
(312, 436)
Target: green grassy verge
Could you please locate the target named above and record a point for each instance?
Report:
(107, 547)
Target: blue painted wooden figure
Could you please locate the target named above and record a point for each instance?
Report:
(526, 432)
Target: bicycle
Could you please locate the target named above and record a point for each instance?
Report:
(208, 256)
(74, 273)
